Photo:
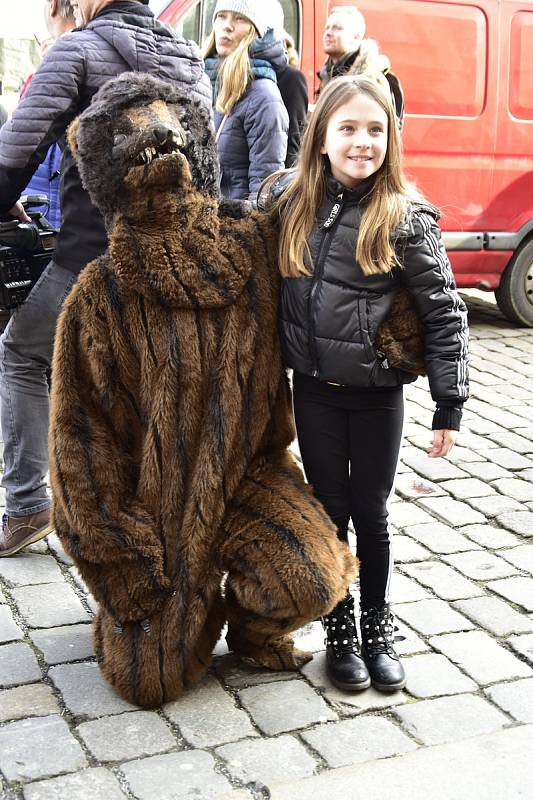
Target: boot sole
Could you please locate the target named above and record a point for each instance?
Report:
(35, 537)
(350, 687)
(389, 687)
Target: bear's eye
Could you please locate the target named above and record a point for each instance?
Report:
(118, 138)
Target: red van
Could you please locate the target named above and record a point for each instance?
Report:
(467, 72)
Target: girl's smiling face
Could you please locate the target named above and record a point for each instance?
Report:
(356, 140)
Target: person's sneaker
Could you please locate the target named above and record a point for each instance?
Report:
(18, 532)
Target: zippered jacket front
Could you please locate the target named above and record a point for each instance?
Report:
(329, 319)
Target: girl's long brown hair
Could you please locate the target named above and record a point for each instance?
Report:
(234, 73)
(388, 200)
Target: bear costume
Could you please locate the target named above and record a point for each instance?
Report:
(173, 487)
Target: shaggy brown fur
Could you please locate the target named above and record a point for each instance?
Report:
(400, 337)
(171, 417)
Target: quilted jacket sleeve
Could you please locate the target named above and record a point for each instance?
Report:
(427, 274)
(95, 444)
(266, 124)
(48, 106)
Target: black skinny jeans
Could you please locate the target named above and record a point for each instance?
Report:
(349, 441)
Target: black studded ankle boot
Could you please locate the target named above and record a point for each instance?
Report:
(344, 666)
(377, 649)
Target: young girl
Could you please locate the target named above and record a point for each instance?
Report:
(352, 233)
(242, 58)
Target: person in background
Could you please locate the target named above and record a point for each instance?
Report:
(353, 232)
(292, 85)
(111, 37)
(242, 58)
(349, 53)
(59, 19)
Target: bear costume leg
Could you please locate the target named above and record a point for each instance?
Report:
(285, 565)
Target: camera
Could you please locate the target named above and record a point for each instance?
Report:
(25, 250)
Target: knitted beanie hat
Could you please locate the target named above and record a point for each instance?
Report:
(254, 10)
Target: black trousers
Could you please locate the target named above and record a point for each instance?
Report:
(349, 441)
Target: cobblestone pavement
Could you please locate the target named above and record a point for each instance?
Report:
(463, 594)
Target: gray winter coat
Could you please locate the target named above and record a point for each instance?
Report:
(253, 141)
(123, 37)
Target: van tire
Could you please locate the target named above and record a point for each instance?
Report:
(514, 295)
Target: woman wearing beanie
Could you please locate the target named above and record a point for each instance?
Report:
(242, 57)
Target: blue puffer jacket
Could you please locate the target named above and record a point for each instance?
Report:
(45, 180)
(122, 37)
(253, 140)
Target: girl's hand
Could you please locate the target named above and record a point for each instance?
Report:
(442, 443)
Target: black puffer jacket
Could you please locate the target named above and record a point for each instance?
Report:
(123, 37)
(329, 320)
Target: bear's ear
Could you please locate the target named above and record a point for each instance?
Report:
(72, 137)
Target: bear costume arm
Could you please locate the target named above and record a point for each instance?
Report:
(109, 532)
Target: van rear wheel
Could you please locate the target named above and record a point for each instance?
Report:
(514, 295)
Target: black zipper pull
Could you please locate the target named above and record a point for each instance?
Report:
(334, 213)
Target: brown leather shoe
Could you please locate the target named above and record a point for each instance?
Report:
(18, 532)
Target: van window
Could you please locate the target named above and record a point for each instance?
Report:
(521, 72)
(195, 23)
(439, 52)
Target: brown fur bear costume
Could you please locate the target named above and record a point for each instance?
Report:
(171, 413)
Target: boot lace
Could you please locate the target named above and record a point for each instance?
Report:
(377, 631)
(341, 633)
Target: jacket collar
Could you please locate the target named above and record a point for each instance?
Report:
(349, 196)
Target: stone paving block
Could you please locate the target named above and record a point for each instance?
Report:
(404, 590)
(66, 643)
(443, 580)
(507, 458)
(433, 469)
(516, 698)
(9, 630)
(39, 548)
(267, 760)
(57, 549)
(512, 441)
(354, 741)
(27, 569)
(481, 657)
(452, 512)
(310, 637)
(405, 549)
(96, 784)
(348, 702)
(207, 715)
(523, 645)
(439, 538)
(49, 605)
(479, 425)
(98, 697)
(504, 418)
(234, 673)
(520, 522)
(78, 580)
(411, 486)
(489, 537)
(461, 455)
(494, 615)
(284, 706)
(517, 590)
(465, 488)
(405, 513)
(33, 700)
(411, 643)
(495, 505)
(521, 557)
(2, 597)
(25, 749)
(431, 675)
(176, 776)
(515, 487)
(486, 470)
(447, 719)
(126, 736)
(18, 665)
(472, 441)
(430, 617)
(480, 565)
